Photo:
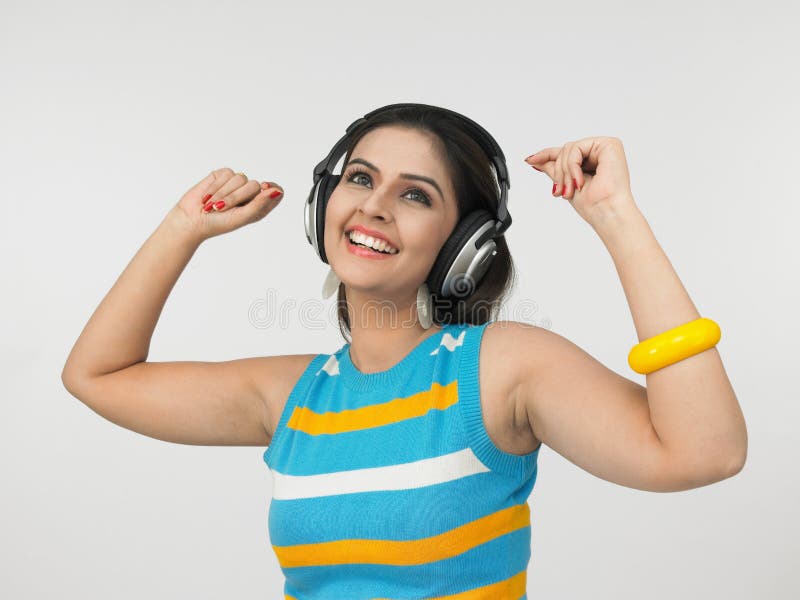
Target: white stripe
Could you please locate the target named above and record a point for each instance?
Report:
(331, 366)
(420, 473)
(449, 342)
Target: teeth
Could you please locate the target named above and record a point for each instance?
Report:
(360, 238)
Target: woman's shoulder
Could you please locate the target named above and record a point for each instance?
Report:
(498, 378)
(275, 377)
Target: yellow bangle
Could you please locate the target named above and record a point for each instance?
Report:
(674, 345)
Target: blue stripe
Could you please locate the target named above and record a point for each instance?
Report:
(389, 515)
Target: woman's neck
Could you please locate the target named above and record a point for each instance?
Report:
(382, 334)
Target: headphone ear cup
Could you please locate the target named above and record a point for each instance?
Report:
(326, 186)
(459, 254)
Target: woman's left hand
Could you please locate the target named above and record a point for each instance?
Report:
(592, 173)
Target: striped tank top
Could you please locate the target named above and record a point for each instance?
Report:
(387, 486)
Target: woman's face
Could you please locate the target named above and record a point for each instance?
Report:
(413, 215)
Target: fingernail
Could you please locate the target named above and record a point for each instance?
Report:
(532, 155)
(275, 194)
(219, 205)
(208, 196)
(537, 168)
(555, 186)
(208, 207)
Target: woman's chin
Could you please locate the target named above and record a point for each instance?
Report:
(366, 281)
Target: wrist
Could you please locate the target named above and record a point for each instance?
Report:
(181, 228)
(617, 220)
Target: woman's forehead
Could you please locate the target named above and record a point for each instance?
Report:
(400, 148)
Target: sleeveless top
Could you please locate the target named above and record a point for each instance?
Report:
(387, 486)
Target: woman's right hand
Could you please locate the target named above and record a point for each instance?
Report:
(245, 201)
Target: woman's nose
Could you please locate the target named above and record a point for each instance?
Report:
(376, 202)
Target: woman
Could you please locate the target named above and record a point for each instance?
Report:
(402, 462)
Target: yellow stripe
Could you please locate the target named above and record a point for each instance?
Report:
(513, 587)
(410, 552)
(437, 397)
(508, 589)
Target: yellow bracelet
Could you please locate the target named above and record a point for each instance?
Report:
(674, 345)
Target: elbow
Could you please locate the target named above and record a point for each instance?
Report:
(737, 457)
(693, 476)
(732, 467)
(66, 380)
(736, 464)
(70, 381)
(68, 374)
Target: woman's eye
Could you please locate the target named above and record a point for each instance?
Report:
(357, 175)
(421, 196)
(353, 176)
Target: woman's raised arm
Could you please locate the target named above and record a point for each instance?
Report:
(106, 368)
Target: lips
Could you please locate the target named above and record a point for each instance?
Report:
(366, 252)
(372, 233)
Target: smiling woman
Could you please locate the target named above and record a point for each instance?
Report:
(402, 462)
(397, 417)
(453, 178)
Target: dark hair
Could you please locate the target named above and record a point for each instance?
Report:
(475, 185)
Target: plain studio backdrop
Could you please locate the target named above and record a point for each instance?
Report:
(112, 110)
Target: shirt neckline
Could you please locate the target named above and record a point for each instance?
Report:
(355, 379)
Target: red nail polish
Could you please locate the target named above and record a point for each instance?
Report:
(207, 197)
(275, 194)
(555, 185)
(208, 207)
(219, 205)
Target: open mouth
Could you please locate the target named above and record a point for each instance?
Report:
(365, 248)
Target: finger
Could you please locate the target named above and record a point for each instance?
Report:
(260, 206)
(542, 156)
(252, 191)
(226, 182)
(206, 186)
(573, 162)
(558, 179)
(267, 192)
(238, 197)
(219, 177)
(275, 189)
(589, 151)
(544, 160)
(204, 183)
(228, 220)
(577, 170)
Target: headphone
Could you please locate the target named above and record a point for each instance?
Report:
(469, 251)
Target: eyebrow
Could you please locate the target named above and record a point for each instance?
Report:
(427, 180)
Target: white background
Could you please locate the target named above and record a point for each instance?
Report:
(112, 110)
